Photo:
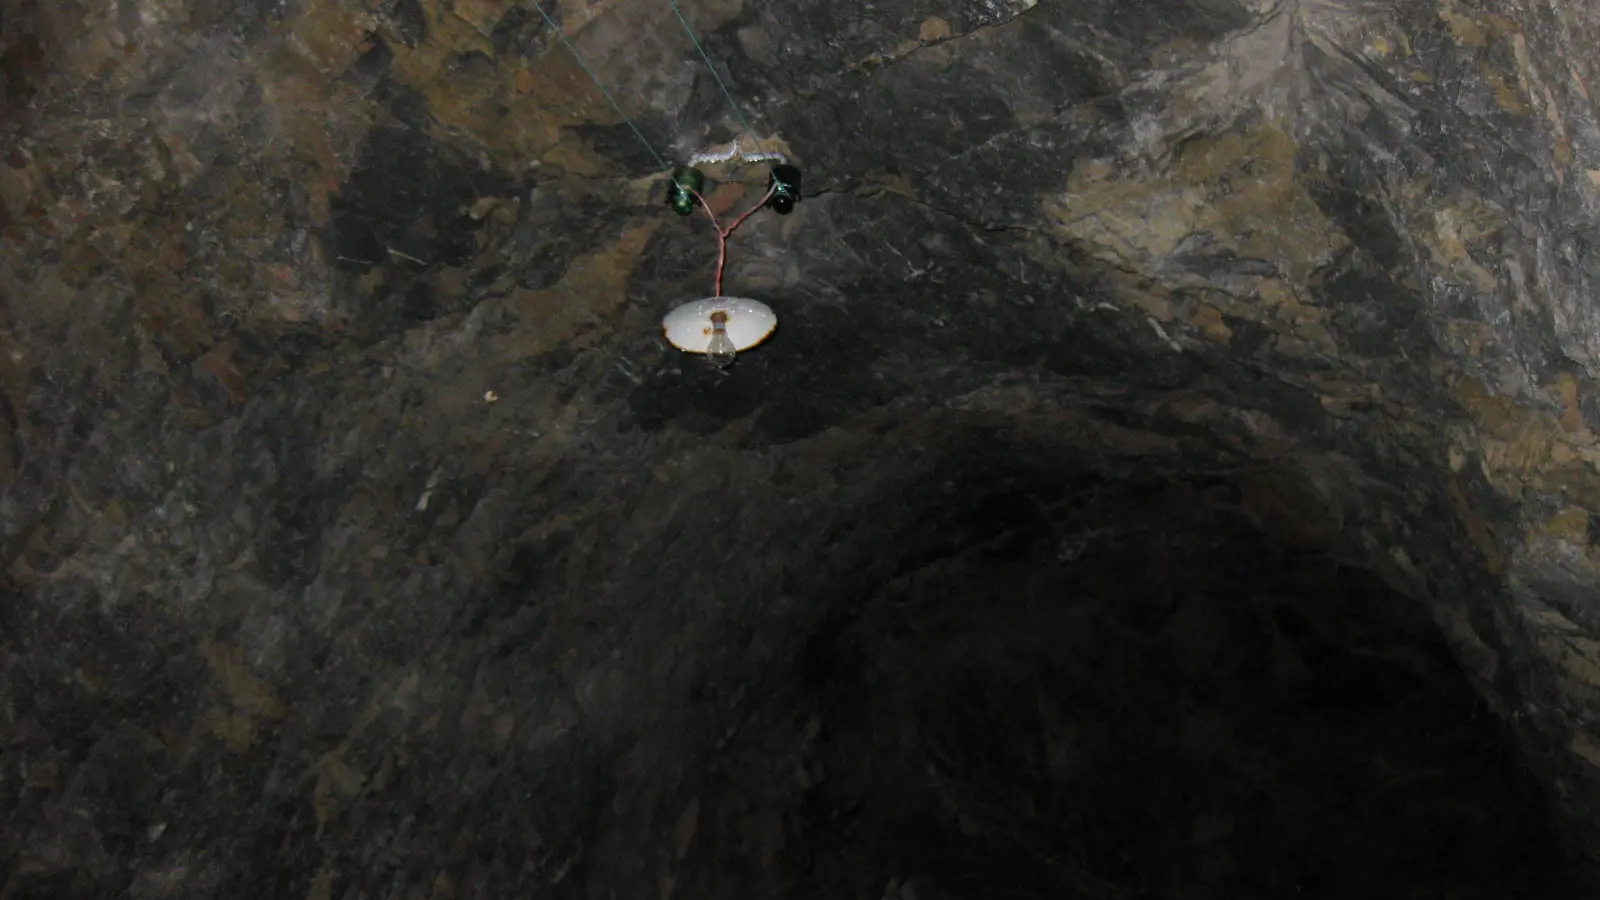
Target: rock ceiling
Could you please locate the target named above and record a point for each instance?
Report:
(363, 538)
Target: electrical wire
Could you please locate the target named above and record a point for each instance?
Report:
(738, 112)
(720, 83)
(722, 233)
(607, 94)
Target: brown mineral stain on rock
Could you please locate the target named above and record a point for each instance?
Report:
(21, 184)
(1208, 321)
(306, 107)
(879, 181)
(517, 108)
(574, 157)
(1565, 388)
(116, 514)
(218, 363)
(1259, 204)
(932, 32)
(1575, 478)
(98, 43)
(1468, 336)
(1534, 87)
(1505, 96)
(933, 29)
(726, 198)
(1500, 25)
(1148, 299)
(1463, 28)
(576, 14)
(1522, 454)
(248, 693)
(593, 287)
(330, 35)
(1238, 188)
(1523, 447)
(1563, 155)
(154, 260)
(1492, 412)
(1569, 524)
(1302, 325)
(482, 15)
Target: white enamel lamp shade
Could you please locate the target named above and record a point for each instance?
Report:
(689, 327)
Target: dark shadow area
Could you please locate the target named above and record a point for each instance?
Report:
(1161, 703)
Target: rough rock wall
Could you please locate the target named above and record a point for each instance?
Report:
(270, 544)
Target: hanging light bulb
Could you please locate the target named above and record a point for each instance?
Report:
(719, 327)
(721, 350)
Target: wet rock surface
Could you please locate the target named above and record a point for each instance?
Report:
(1173, 474)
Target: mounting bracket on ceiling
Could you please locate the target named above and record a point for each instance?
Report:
(735, 151)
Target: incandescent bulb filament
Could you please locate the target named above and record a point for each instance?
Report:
(722, 349)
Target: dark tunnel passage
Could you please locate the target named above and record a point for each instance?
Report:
(1107, 686)
(1125, 689)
